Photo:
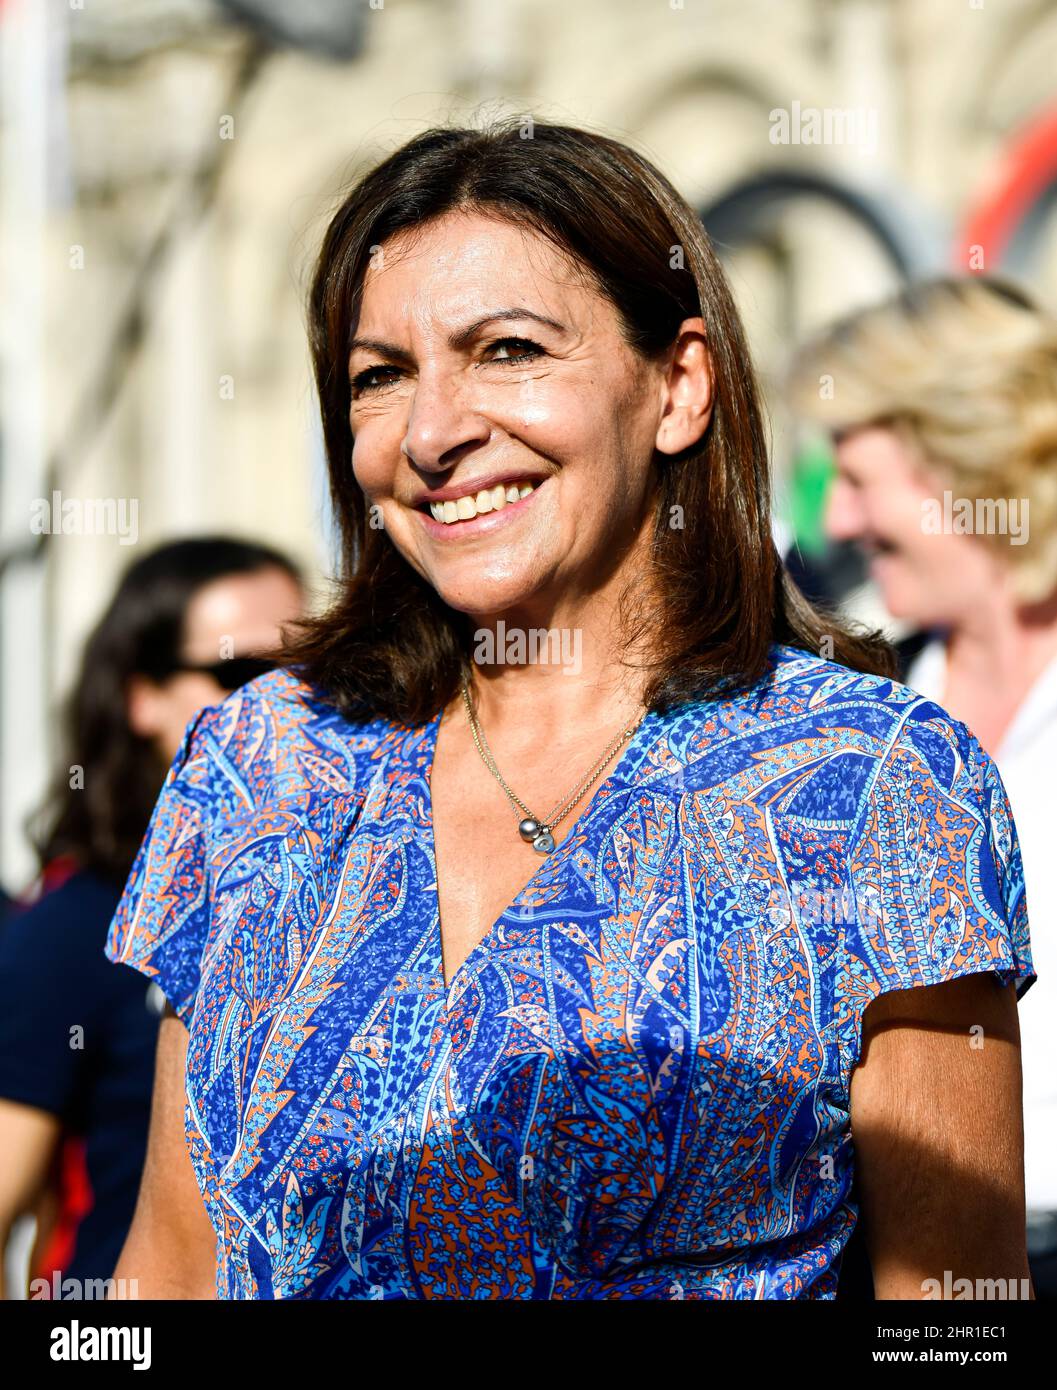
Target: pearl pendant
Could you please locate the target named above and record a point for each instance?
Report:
(544, 842)
(529, 829)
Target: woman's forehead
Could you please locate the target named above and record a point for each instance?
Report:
(447, 266)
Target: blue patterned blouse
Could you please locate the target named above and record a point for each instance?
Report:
(637, 1084)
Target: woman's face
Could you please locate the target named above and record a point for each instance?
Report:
(875, 500)
(481, 368)
(237, 615)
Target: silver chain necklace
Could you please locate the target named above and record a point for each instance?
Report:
(539, 833)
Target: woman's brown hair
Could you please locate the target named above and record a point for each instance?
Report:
(720, 595)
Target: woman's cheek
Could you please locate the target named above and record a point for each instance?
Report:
(368, 465)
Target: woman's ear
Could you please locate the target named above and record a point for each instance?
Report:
(689, 390)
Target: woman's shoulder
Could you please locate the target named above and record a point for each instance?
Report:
(907, 737)
(810, 687)
(279, 736)
(830, 731)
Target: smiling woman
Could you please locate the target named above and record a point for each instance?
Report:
(543, 311)
(524, 978)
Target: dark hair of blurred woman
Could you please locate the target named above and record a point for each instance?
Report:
(98, 815)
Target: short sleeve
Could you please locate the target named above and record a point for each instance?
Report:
(162, 921)
(936, 874)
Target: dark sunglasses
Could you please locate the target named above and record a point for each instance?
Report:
(230, 674)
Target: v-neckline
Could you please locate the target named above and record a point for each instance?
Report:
(626, 768)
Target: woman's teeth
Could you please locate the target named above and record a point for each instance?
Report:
(489, 499)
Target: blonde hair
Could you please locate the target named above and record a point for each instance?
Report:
(964, 369)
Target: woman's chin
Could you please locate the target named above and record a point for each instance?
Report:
(899, 593)
(481, 591)
(906, 600)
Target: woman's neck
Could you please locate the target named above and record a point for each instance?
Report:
(546, 676)
(541, 669)
(994, 657)
(560, 661)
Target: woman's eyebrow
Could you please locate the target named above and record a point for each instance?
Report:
(461, 337)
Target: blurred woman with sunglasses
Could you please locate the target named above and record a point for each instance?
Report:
(189, 623)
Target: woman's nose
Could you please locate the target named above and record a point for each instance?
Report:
(844, 515)
(440, 421)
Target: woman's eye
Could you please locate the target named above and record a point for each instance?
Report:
(527, 349)
(516, 350)
(364, 381)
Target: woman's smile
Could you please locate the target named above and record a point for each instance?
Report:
(479, 512)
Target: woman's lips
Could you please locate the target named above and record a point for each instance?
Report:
(481, 525)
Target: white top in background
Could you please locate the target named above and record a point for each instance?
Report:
(1027, 762)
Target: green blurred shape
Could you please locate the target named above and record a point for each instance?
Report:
(809, 484)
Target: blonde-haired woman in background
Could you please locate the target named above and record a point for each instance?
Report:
(943, 407)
